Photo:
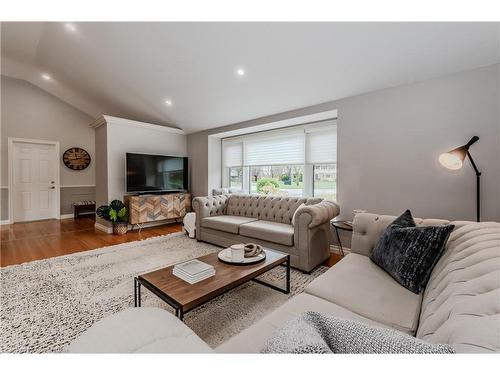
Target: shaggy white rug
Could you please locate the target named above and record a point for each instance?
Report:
(45, 304)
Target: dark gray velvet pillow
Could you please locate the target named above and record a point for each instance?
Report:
(409, 253)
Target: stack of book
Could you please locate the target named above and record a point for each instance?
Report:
(193, 271)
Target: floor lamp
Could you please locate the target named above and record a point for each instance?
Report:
(454, 160)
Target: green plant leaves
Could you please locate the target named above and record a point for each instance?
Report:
(113, 215)
(115, 212)
(122, 213)
(103, 212)
(265, 182)
(116, 205)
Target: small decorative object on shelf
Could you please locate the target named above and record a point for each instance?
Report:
(76, 158)
(116, 212)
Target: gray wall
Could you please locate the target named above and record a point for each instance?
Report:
(101, 168)
(197, 149)
(389, 142)
(113, 140)
(4, 206)
(29, 112)
(123, 138)
(214, 163)
(69, 195)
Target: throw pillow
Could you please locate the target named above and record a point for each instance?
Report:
(295, 213)
(409, 253)
(313, 332)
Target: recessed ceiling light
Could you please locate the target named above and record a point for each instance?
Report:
(70, 27)
(241, 72)
(168, 102)
(46, 77)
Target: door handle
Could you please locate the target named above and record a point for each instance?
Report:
(52, 187)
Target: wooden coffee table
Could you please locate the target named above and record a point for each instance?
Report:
(184, 297)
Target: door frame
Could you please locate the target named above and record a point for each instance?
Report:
(10, 151)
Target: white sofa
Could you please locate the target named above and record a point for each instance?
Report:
(460, 306)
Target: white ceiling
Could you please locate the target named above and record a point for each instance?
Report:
(129, 69)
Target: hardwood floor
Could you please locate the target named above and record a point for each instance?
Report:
(25, 242)
(334, 258)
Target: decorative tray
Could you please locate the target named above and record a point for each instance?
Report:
(225, 256)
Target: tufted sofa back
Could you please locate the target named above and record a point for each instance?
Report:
(461, 304)
(265, 207)
(367, 229)
(213, 205)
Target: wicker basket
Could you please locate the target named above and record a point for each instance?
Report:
(120, 228)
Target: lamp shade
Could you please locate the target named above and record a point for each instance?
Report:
(454, 159)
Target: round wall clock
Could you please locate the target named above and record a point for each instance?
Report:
(76, 158)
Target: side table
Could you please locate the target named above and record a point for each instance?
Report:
(341, 225)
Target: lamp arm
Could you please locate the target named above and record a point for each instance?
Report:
(478, 188)
(473, 164)
(472, 141)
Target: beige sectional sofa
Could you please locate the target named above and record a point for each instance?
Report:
(237, 218)
(460, 305)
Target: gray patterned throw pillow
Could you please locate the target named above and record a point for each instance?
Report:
(409, 253)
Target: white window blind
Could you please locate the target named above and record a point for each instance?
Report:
(275, 149)
(321, 145)
(305, 144)
(232, 153)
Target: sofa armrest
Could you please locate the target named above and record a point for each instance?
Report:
(208, 206)
(139, 330)
(317, 214)
(312, 233)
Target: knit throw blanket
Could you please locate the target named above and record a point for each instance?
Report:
(312, 332)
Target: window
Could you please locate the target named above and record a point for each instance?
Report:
(297, 161)
(236, 178)
(325, 181)
(286, 180)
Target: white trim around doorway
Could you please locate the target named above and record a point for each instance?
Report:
(57, 185)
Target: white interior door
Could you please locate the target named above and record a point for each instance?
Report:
(35, 181)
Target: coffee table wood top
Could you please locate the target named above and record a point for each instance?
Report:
(189, 296)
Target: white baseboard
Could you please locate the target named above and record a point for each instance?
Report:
(103, 228)
(66, 216)
(4, 222)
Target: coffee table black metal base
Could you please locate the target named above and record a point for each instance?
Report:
(139, 281)
(179, 311)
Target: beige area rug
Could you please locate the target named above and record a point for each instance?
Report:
(45, 304)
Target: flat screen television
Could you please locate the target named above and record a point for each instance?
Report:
(156, 173)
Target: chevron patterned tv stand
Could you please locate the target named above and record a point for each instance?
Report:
(150, 208)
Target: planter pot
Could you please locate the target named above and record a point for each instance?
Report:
(120, 228)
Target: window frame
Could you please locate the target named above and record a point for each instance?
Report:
(308, 167)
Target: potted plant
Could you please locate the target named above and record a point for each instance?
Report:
(116, 212)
